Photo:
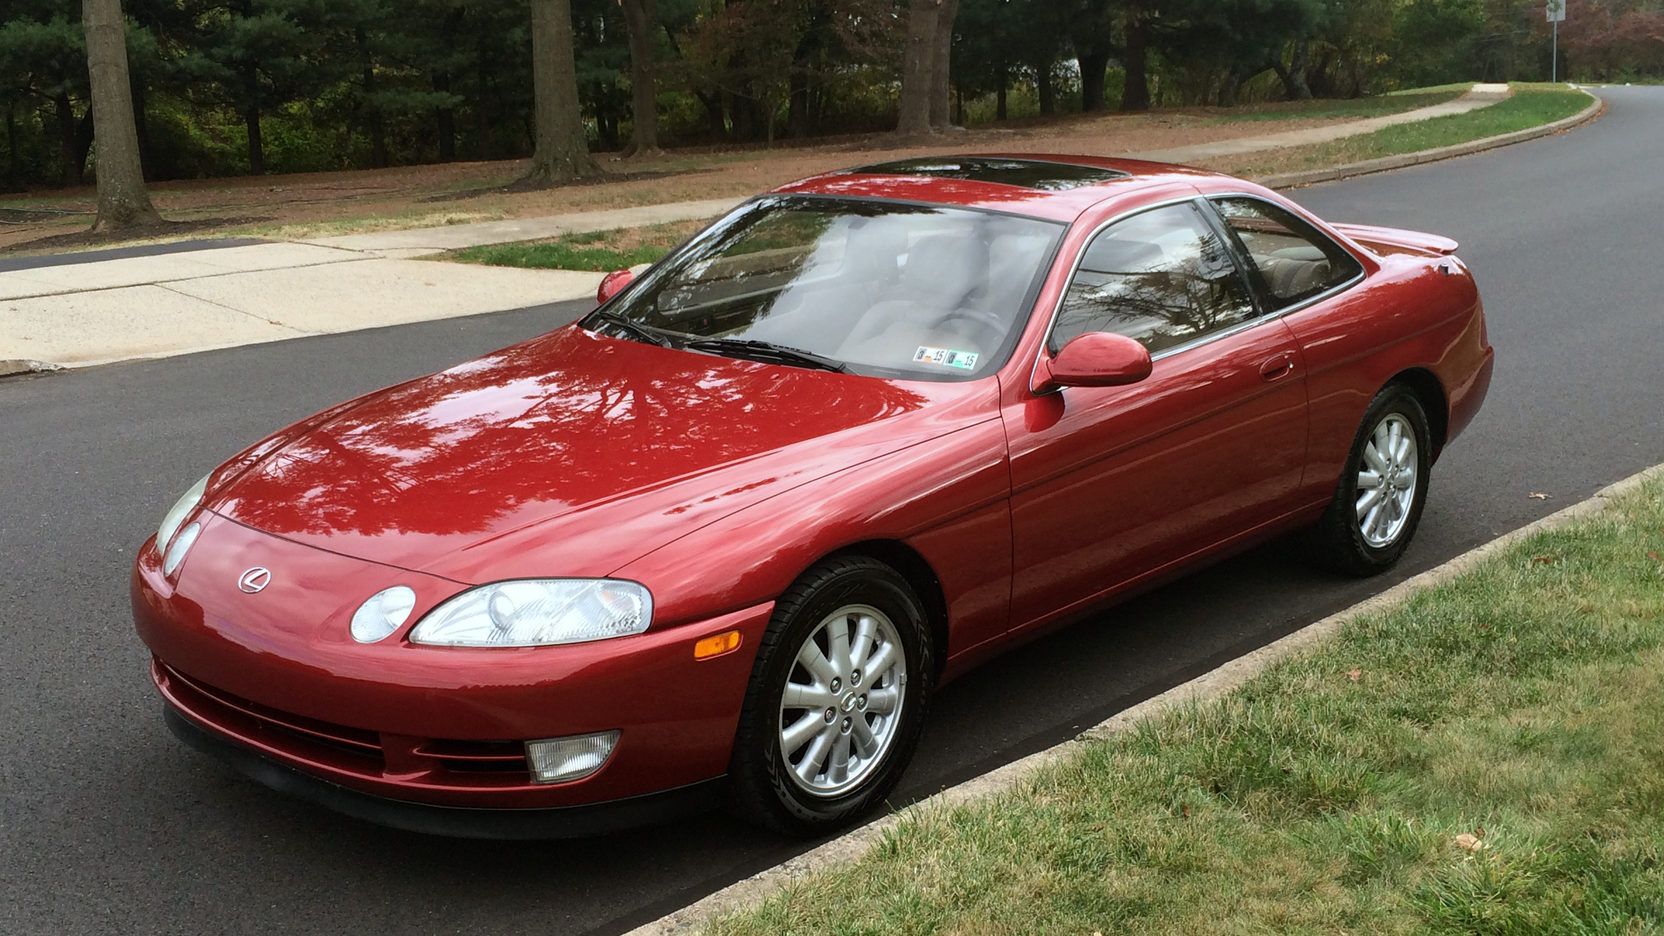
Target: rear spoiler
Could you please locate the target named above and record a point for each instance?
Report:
(1398, 239)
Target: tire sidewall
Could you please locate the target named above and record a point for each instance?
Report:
(863, 583)
(1400, 401)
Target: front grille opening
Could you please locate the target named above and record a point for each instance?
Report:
(477, 756)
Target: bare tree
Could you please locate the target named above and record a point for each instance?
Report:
(562, 152)
(123, 201)
(918, 66)
(641, 18)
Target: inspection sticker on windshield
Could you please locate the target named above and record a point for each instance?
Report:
(964, 360)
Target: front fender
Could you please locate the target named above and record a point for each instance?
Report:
(948, 499)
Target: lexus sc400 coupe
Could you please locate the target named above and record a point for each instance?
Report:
(723, 536)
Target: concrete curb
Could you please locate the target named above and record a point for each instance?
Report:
(1210, 685)
(1288, 180)
(11, 367)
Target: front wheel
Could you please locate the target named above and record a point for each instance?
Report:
(1382, 489)
(836, 699)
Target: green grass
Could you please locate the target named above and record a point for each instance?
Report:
(1518, 705)
(1347, 108)
(1530, 106)
(598, 251)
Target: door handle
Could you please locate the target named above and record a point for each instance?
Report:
(1280, 366)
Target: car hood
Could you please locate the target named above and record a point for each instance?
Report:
(570, 454)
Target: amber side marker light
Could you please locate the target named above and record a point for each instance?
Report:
(716, 645)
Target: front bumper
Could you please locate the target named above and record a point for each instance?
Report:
(452, 821)
(277, 676)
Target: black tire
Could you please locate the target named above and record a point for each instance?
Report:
(760, 790)
(1337, 542)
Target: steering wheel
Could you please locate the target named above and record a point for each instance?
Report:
(990, 322)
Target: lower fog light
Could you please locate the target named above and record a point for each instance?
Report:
(560, 759)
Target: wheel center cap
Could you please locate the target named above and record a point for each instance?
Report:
(848, 704)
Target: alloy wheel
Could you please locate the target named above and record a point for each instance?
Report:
(842, 702)
(1387, 481)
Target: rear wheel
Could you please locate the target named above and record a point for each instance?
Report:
(1382, 489)
(836, 699)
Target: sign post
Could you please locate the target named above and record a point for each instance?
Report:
(1556, 15)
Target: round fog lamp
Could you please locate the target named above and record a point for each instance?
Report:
(560, 759)
(382, 613)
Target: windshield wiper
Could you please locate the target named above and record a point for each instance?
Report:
(643, 332)
(766, 351)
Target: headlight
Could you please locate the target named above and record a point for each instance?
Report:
(178, 512)
(538, 612)
(179, 547)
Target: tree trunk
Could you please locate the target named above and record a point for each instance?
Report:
(941, 59)
(482, 121)
(562, 151)
(641, 18)
(251, 114)
(1000, 95)
(1135, 94)
(140, 124)
(918, 67)
(14, 173)
(1228, 90)
(713, 114)
(72, 168)
(374, 123)
(256, 143)
(1046, 88)
(122, 199)
(797, 105)
(444, 119)
(1093, 65)
(1294, 76)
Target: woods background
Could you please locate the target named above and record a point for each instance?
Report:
(227, 87)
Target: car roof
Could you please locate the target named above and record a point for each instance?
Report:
(1049, 186)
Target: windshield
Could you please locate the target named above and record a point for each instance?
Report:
(876, 288)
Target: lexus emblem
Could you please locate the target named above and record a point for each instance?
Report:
(254, 580)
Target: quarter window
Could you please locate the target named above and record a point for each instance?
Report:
(1162, 277)
(1293, 260)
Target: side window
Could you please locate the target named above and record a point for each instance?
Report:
(1162, 277)
(1294, 260)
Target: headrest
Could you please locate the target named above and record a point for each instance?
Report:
(1114, 255)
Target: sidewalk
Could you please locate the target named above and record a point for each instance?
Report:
(89, 313)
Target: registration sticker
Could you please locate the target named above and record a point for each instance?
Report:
(963, 360)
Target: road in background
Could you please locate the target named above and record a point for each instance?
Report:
(108, 824)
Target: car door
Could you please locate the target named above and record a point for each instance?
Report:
(1112, 485)
(1306, 278)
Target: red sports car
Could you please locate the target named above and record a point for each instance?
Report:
(726, 534)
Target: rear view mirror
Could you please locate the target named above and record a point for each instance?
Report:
(1095, 359)
(612, 284)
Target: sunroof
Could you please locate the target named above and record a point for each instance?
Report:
(1027, 173)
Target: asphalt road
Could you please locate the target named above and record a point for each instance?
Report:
(35, 262)
(110, 825)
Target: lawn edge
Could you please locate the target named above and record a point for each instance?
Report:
(1289, 180)
(1210, 685)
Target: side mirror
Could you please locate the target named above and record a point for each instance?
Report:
(1095, 359)
(612, 284)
